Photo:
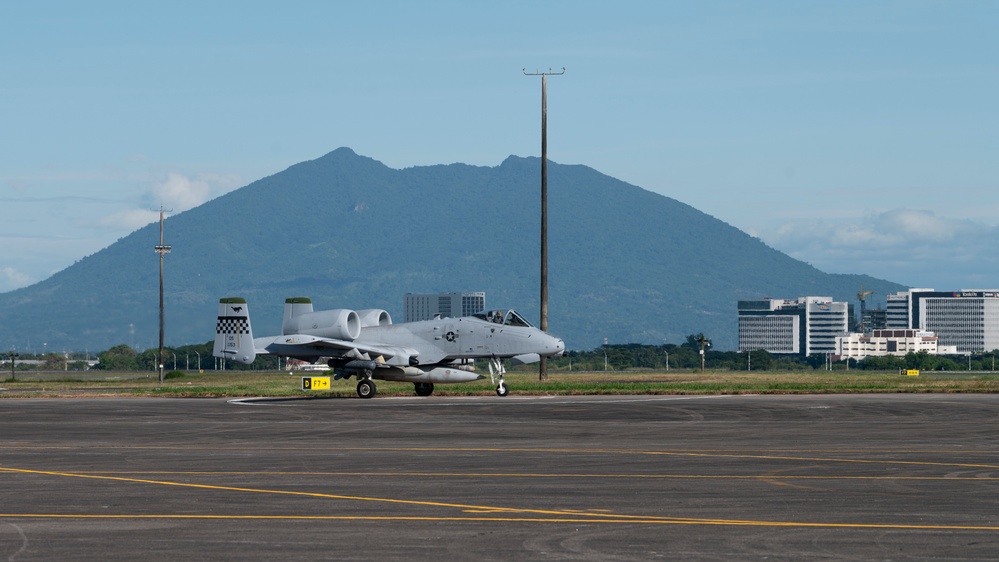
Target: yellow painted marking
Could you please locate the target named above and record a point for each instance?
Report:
(530, 515)
(438, 475)
(282, 492)
(702, 454)
(705, 452)
(625, 520)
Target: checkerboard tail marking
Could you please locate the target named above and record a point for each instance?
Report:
(233, 337)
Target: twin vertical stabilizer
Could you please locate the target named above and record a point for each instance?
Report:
(233, 337)
(295, 306)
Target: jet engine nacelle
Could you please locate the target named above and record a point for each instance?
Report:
(338, 324)
(374, 317)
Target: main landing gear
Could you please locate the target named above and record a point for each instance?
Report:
(496, 371)
(366, 388)
(424, 388)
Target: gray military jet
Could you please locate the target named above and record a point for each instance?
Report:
(366, 344)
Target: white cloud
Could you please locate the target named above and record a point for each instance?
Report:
(176, 193)
(11, 279)
(59, 216)
(923, 225)
(130, 219)
(181, 193)
(911, 247)
(887, 230)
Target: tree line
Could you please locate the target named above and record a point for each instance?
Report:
(613, 357)
(687, 356)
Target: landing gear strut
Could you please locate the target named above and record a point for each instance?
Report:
(424, 388)
(496, 371)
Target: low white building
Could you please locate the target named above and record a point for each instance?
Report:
(880, 343)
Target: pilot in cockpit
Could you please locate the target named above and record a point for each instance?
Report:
(511, 318)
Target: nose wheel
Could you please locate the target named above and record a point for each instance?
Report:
(496, 371)
(424, 388)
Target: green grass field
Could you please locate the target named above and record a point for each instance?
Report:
(243, 384)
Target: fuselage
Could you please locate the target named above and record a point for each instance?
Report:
(439, 341)
(447, 339)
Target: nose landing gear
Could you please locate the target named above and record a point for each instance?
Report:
(496, 371)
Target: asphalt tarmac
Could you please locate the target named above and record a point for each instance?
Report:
(863, 477)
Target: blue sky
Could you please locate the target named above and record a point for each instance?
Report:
(859, 136)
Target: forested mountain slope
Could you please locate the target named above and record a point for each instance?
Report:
(625, 264)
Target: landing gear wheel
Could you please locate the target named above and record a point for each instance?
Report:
(424, 388)
(501, 389)
(366, 388)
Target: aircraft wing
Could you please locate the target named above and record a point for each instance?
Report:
(307, 347)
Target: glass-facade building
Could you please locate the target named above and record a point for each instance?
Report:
(967, 319)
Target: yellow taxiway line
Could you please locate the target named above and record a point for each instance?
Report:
(473, 512)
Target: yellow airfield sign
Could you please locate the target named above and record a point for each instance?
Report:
(315, 383)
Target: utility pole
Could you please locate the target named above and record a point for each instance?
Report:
(12, 355)
(161, 249)
(704, 342)
(543, 367)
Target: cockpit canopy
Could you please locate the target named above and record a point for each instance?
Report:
(506, 318)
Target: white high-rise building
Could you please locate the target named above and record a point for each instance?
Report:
(447, 305)
(802, 326)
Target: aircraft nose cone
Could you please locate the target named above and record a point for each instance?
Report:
(559, 347)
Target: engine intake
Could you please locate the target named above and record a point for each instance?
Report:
(374, 317)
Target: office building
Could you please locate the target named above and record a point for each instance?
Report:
(967, 320)
(447, 305)
(873, 319)
(802, 326)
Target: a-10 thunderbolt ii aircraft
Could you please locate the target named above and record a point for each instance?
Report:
(366, 344)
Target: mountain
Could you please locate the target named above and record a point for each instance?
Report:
(625, 264)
